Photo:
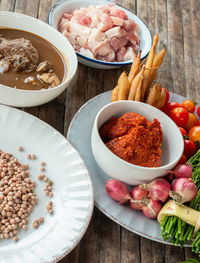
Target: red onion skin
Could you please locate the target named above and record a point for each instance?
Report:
(183, 171)
(138, 195)
(152, 209)
(186, 188)
(118, 191)
(158, 189)
(170, 177)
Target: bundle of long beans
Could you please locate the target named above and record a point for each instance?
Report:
(191, 260)
(173, 227)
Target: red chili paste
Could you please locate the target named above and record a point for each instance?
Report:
(134, 139)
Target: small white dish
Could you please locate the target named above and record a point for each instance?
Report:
(30, 98)
(172, 145)
(72, 188)
(69, 5)
(123, 215)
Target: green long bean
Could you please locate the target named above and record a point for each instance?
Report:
(174, 228)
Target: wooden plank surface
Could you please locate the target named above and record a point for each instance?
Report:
(178, 26)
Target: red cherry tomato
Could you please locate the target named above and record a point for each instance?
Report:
(194, 134)
(183, 131)
(170, 106)
(180, 116)
(188, 105)
(167, 96)
(189, 148)
(183, 159)
(192, 121)
(198, 111)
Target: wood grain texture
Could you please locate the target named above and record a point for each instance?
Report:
(175, 41)
(6, 5)
(195, 14)
(178, 26)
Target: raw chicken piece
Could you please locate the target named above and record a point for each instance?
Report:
(102, 49)
(118, 21)
(118, 13)
(71, 38)
(87, 53)
(105, 9)
(102, 27)
(117, 43)
(129, 25)
(116, 31)
(133, 38)
(107, 21)
(67, 16)
(110, 57)
(82, 42)
(92, 10)
(95, 21)
(63, 25)
(95, 38)
(129, 55)
(79, 30)
(97, 35)
(82, 18)
(120, 54)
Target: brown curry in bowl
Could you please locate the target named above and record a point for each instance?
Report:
(29, 62)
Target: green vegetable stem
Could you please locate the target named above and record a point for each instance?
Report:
(174, 228)
(192, 260)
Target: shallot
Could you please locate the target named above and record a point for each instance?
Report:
(152, 209)
(186, 189)
(158, 189)
(182, 171)
(118, 191)
(139, 197)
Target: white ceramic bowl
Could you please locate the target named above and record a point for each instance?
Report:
(26, 98)
(69, 5)
(111, 164)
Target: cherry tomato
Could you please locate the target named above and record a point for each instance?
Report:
(167, 96)
(198, 123)
(194, 134)
(192, 121)
(170, 106)
(183, 159)
(198, 111)
(183, 131)
(188, 105)
(180, 116)
(189, 148)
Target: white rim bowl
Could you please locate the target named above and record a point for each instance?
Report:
(28, 98)
(123, 170)
(68, 5)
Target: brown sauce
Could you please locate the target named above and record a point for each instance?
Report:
(47, 52)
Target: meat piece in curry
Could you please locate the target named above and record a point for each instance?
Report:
(134, 139)
(19, 54)
(28, 61)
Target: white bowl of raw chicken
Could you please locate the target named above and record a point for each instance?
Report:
(68, 6)
(29, 98)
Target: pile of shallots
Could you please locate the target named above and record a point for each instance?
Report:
(150, 197)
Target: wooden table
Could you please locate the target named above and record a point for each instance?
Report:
(178, 25)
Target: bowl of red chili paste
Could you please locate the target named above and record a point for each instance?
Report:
(135, 142)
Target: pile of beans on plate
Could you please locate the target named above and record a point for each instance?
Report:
(17, 197)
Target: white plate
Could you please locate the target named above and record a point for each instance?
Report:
(121, 214)
(69, 5)
(73, 192)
